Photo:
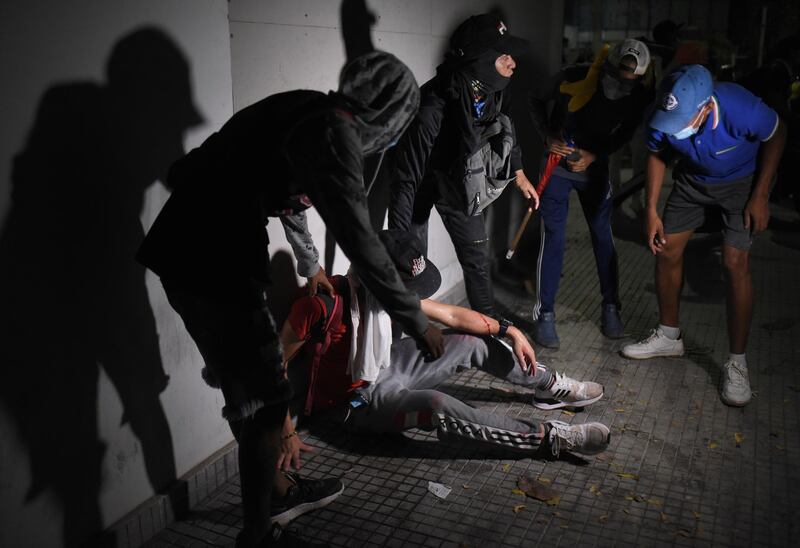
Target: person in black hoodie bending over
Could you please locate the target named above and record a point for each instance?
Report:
(459, 108)
(209, 245)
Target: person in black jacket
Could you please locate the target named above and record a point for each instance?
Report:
(209, 245)
(595, 111)
(428, 167)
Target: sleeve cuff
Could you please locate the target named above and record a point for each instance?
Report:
(419, 323)
(774, 128)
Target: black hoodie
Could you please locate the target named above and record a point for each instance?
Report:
(211, 231)
(444, 132)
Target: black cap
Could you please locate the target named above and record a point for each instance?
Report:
(483, 32)
(417, 272)
(666, 31)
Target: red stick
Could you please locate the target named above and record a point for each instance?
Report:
(552, 161)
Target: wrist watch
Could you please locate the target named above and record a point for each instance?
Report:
(504, 325)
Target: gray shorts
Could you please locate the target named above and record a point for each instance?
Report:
(717, 206)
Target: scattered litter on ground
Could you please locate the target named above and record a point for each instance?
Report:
(439, 489)
(538, 490)
(628, 475)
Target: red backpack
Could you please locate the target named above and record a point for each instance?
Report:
(320, 339)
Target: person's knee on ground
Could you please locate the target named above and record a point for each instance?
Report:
(415, 409)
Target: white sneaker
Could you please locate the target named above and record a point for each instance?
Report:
(567, 392)
(657, 344)
(735, 384)
(588, 439)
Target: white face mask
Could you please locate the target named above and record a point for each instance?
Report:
(685, 133)
(690, 130)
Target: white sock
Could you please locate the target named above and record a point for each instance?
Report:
(739, 358)
(673, 333)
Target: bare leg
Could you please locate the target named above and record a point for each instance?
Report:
(740, 297)
(669, 277)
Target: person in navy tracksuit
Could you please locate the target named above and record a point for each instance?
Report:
(586, 137)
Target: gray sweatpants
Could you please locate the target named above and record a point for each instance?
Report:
(405, 395)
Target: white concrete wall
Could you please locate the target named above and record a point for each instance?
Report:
(266, 47)
(49, 42)
(276, 46)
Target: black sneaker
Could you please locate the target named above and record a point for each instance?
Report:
(305, 495)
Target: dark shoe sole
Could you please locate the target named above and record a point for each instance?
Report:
(651, 356)
(731, 403)
(296, 511)
(542, 404)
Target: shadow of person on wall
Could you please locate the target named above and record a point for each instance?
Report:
(283, 289)
(357, 22)
(72, 296)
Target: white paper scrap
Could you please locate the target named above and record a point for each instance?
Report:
(438, 489)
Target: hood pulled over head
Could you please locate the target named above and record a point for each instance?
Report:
(383, 96)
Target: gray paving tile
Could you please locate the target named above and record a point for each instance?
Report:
(693, 485)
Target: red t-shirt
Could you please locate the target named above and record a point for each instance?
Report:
(334, 385)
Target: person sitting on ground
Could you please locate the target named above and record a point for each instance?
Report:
(390, 386)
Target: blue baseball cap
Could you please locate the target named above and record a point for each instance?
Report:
(680, 97)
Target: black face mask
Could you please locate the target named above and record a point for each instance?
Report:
(483, 69)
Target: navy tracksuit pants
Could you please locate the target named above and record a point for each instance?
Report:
(595, 198)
